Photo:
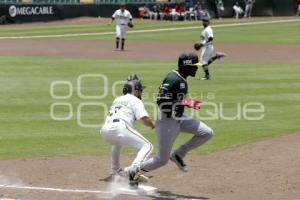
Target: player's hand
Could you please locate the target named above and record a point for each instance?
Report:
(192, 103)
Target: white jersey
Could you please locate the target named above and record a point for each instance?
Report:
(122, 18)
(127, 108)
(207, 33)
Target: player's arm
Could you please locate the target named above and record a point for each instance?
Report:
(112, 18)
(147, 122)
(204, 42)
(140, 113)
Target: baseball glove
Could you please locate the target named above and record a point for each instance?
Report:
(197, 46)
(130, 25)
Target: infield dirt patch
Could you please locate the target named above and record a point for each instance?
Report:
(264, 170)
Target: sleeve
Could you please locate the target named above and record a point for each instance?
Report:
(139, 109)
(129, 16)
(114, 15)
(210, 33)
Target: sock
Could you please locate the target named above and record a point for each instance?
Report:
(123, 42)
(117, 42)
(205, 68)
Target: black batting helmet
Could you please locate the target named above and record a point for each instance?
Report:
(189, 63)
(133, 85)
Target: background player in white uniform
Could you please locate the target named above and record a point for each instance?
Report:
(207, 50)
(122, 17)
(117, 129)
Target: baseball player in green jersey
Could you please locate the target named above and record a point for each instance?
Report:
(171, 120)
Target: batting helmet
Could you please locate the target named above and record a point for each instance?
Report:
(188, 63)
(132, 85)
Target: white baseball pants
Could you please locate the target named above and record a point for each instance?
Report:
(121, 30)
(206, 53)
(119, 134)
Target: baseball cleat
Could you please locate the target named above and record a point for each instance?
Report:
(179, 162)
(220, 55)
(205, 78)
(132, 178)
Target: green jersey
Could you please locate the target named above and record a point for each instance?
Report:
(171, 93)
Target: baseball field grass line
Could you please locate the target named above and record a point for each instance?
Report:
(27, 129)
(43, 34)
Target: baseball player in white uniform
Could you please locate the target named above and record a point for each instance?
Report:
(118, 127)
(206, 44)
(122, 17)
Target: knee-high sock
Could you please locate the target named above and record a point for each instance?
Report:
(117, 42)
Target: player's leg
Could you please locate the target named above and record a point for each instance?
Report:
(118, 35)
(134, 139)
(115, 159)
(123, 34)
(111, 134)
(205, 57)
(167, 130)
(202, 133)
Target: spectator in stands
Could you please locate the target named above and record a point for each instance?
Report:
(298, 7)
(203, 13)
(160, 11)
(219, 8)
(174, 14)
(142, 12)
(198, 11)
(238, 11)
(150, 13)
(155, 11)
(167, 11)
(180, 10)
(248, 8)
(190, 13)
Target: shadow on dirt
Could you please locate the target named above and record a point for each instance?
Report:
(168, 195)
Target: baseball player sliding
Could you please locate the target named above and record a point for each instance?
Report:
(172, 120)
(123, 19)
(118, 127)
(206, 44)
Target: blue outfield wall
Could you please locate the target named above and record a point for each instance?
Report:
(20, 13)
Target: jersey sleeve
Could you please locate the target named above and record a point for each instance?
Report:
(209, 33)
(114, 15)
(139, 109)
(129, 16)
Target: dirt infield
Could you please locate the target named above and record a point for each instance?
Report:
(237, 53)
(267, 169)
(264, 170)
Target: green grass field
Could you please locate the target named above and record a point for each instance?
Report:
(27, 129)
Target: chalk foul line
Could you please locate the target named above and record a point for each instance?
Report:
(149, 30)
(53, 189)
